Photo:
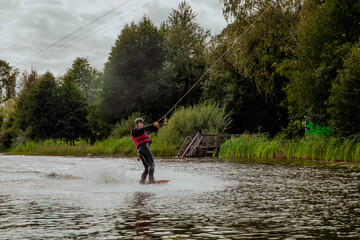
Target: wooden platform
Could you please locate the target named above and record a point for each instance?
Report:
(203, 145)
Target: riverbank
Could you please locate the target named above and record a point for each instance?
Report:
(108, 147)
(310, 151)
(255, 148)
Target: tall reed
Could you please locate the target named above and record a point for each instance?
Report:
(308, 147)
(108, 147)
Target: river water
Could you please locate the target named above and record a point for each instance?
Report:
(100, 198)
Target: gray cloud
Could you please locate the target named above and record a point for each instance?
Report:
(7, 5)
(29, 26)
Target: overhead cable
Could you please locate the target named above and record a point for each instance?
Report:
(71, 34)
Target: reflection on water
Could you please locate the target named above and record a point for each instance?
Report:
(94, 198)
(142, 219)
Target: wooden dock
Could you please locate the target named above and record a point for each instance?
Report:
(203, 145)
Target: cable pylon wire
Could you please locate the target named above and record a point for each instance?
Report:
(212, 65)
(83, 36)
(71, 34)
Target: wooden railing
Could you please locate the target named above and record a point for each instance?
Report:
(203, 145)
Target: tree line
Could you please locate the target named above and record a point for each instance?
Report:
(299, 60)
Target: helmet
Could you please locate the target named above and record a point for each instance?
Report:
(138, 120)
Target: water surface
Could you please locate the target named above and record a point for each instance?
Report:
(100, 198)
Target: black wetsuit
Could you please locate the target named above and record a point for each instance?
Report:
(145, 155)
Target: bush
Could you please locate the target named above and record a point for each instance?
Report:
(202, 118)
(8, 127)
(123, 128)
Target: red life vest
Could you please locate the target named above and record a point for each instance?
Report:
(140, 139)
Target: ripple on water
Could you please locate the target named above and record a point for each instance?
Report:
(95, 198)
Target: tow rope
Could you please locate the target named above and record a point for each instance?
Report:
(212, 65)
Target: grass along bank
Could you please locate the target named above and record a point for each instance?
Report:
(306, 148)
(108, 147)
(256, 148)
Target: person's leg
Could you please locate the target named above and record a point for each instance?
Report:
(146, 170)
(151, 174)
(151, 164)
(148, 160)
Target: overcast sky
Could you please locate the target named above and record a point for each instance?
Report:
(28, 28)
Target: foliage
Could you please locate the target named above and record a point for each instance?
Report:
(99, 129)
(310, 147)
(203, 118)
(58, 148)
(124, 127)
(121, 146)
(321, 130)
(71, 122)
(107, 147)
(89, 81)
(299, 59)
(8, 123)
(259, 52)
(184, 45)
(260, 37)
(246, 146)
(130, 75)
(87, 78)
(344, 102)
(38, 108)
(249, 109)
(27, 81)
(250, 146)
(8, 76)
(24, 104)
(160, 146)
(326, 29)
(47, 108)
(243, 9)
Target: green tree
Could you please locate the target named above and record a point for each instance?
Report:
(184, 64)
(131, 73)
(249, 110)
(27, 80)
(7, 81)
(49, 108)
(262, 35)
(89, 79)
(344, 100)
(9, 127)
(24, 103)
(326, 29)
(38, 108)
(71, 121)
(90, 82)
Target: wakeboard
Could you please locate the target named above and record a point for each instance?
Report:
(161, 182)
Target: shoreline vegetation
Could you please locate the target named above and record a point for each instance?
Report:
(110, 147)
(252, 148)
(309, 150)
(276, 81)
(308, 147)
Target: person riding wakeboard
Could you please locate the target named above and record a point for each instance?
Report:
(142, 142)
